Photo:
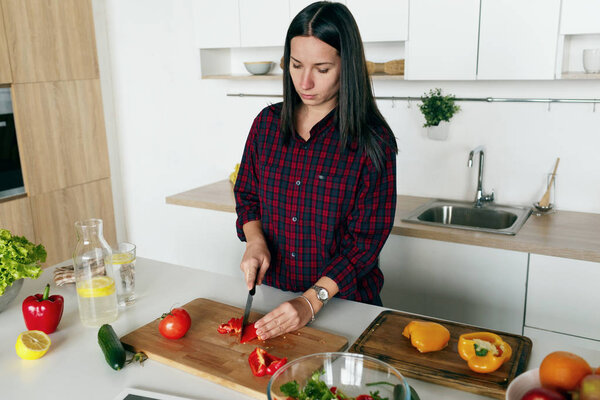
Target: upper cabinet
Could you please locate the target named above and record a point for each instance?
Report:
(580, 17)
(5, 75)
(216, 23)
(442, 40)
(380, 20)
(263, 22)
(518, 39)
(50, 40)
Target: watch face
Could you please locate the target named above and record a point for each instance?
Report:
(322, 294)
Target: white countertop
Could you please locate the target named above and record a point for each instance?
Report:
(74, 367)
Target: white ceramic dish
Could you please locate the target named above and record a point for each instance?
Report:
(523, 383)
(259, 67)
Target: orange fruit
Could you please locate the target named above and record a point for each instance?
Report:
(563, 370)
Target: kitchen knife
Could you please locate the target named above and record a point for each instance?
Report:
(248, 306)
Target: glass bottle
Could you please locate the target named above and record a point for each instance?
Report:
(94, 278)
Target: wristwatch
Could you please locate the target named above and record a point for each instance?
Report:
(322, 294)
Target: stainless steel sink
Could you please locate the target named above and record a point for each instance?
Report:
(491, 217)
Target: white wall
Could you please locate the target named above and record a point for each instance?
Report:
(174, 132)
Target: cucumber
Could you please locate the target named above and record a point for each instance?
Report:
(111, 346)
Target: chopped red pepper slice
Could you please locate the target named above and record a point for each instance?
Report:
(234, 325)
(263, 363)
(249, 333)
(364, 397)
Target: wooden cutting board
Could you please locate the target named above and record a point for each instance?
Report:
(383, 340)
(221, 358)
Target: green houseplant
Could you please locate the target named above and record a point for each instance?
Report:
(437, 108)
(19, 258)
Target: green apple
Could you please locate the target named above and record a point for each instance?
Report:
(590, 388)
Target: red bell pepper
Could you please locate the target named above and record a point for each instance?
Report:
(234, 325)
(263, 363)
(43, 312)
(249, 333)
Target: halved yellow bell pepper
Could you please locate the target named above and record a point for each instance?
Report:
(484, 351)
(427, 336)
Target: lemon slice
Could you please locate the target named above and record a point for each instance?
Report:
(98, 286)
(122, 258)
(31, 345)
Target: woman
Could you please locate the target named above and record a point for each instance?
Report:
(316, 189)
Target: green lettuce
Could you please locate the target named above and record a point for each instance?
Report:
(19, 258)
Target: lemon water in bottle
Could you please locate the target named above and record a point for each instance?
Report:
(94, 279)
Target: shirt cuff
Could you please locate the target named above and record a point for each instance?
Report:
(242, 219)
(342, 272)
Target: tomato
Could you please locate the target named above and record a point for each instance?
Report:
(175, 324)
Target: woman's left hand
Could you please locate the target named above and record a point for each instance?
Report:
(287, 317)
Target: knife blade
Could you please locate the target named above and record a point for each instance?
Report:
(248, 307)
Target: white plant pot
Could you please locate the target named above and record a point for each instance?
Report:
(438, 132)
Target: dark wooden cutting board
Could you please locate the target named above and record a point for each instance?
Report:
(222, 358)
(383, 340)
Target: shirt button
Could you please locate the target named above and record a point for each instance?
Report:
(294, 255)
(298, 183)
(294, 219)
(305, 147)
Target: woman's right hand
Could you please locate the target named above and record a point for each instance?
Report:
(256, 260)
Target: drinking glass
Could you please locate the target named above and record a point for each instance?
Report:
(123, 260)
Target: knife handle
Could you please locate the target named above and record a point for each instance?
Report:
(253, 290)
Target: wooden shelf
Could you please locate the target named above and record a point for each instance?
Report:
(562, 234)
(579, 75)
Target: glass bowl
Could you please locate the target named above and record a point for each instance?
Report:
(352, 374)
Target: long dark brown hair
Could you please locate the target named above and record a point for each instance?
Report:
(357, 112)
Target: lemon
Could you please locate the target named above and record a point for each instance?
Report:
(98, 286)
(122, 258)
(31, 345)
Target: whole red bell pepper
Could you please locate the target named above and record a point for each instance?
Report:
(263, 363)
(43, 312)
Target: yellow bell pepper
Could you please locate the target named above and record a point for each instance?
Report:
(484, 351)
(426, 336)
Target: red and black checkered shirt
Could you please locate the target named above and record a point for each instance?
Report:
(324, 212)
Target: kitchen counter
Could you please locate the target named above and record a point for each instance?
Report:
(74, 367)
(565, 234)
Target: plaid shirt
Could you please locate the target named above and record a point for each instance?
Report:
(324, 212)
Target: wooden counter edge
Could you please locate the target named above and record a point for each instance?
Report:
(538, 235)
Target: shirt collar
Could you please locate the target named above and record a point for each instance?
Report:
(328, 122)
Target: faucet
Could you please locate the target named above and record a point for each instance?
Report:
(480, 198)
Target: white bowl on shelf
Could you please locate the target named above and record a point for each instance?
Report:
(259, 67)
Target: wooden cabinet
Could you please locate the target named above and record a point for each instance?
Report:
(580, 17)
(55, 213)
(50, 40)
(518, 39)
(263, 22)
(381, 20)
(469, 284)
(562, 296)
(216, 23)
(61, 133)
(15, 215)
(5, 74)
(442, 40)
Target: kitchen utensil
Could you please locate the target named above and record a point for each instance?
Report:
(335, 367)
(545, 201)
(383, 340)
(523, 383)
(259, 67)
(248, 306)
(393, 67)
(221, 358)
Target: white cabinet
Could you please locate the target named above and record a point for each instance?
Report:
(563, 296)
(518, 39)
(263, 22)
(469, 284)
(216, 23)
(580, 17)
(552, 341)
(380, 20)
(442, 39)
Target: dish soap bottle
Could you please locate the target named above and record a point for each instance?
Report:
(94, 279)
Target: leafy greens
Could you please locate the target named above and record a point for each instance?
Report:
(19, 258)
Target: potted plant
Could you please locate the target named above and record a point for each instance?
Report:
(437, 110)
(19, 258)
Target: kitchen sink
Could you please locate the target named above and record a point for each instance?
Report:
(490, 217)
